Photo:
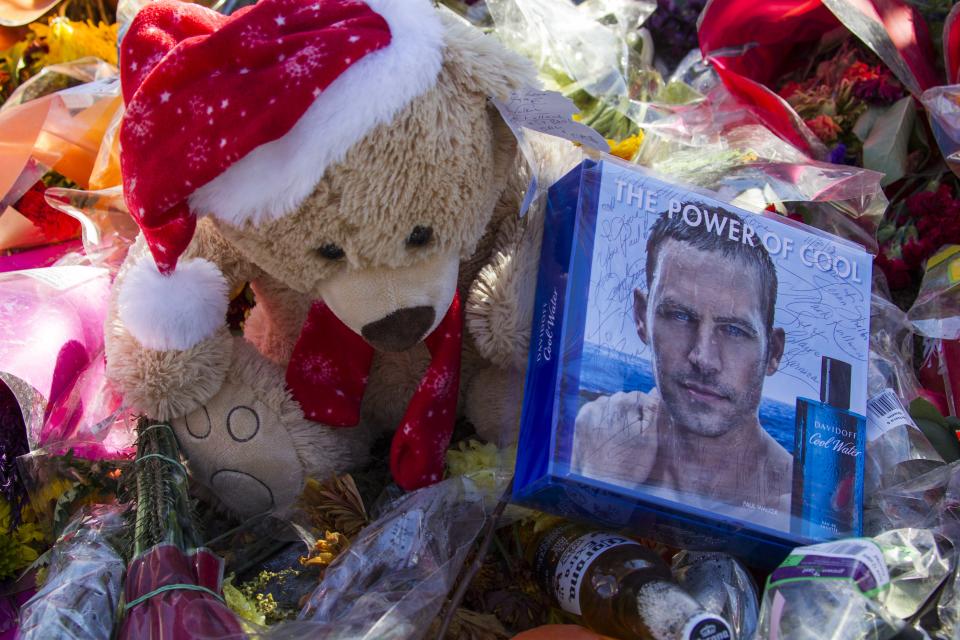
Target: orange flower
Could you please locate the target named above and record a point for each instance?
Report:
(824, 128)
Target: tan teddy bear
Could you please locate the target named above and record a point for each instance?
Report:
(347, 163)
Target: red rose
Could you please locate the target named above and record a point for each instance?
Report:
(896, 270)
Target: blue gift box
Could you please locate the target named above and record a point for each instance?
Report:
(697, 373)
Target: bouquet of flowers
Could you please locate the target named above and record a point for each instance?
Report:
(174, 586)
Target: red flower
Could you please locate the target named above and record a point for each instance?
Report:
(916, 251)
(787, 90)
(55, 225)
(860, 71)
(824, 128)
(896, 270)
(937, 204)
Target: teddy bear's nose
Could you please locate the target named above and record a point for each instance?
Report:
(400, 330)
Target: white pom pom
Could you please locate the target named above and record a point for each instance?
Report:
(176, 311)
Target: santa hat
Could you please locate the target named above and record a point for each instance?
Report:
(239, 117)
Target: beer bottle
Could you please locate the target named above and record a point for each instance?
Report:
(619, 587)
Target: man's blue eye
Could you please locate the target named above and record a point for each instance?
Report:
(682, 316)
(735, 331)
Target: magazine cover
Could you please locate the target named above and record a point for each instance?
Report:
(713, 360)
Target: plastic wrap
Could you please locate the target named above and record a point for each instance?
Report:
(718, 145)
(56, 77)
(752, 44)
(891, 350)
(172, 594)
(943, 108)
(64, 132)
(862, 589)
(556, 36)
(936, 311)
(107, 230)
(78, 600)
(51, 357)
(929, 501)
(394, 578)
(722, 585)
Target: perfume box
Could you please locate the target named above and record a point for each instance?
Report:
(697, 373)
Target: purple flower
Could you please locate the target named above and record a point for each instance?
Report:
(674, 29)
(838, 154)
(13, 443)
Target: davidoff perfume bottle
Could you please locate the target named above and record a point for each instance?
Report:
(828, 459)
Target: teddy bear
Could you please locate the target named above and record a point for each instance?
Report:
(344, 158)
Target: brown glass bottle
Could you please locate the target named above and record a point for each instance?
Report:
(619, 587)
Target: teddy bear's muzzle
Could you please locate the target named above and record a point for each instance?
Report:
(399, 330)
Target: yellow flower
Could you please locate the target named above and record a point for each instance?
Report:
(480, 462)
(44, 498)
(326, 550)
(20, 547)
(626, 148)
(241, 605)
(67, 40)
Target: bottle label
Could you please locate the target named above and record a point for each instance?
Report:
(885, 412)
(707, 626)
(575, 561)
(859, 560)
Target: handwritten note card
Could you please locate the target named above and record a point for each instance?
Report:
(548, 112)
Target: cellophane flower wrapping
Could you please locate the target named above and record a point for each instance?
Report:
(395, 577)
(78, 600)
(173, 587)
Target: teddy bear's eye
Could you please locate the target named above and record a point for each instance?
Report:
(419, 236)
(330, 251)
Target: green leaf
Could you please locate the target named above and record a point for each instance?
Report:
(921, 409)
(678, 93)
(885, 233)
(885, 149)
(943, 439)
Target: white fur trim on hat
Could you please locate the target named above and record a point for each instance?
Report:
(275, 178)
(176, 311)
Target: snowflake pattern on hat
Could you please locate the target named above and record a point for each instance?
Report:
(225, 85)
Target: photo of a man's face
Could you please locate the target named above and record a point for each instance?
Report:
(695, 368)
(710, 341)
(705, 313)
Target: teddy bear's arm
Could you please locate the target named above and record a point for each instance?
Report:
(166, 384)
(499, 307)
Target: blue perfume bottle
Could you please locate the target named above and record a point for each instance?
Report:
(828, 459)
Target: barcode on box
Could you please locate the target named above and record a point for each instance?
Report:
(850, 547)
(884, 412)
(884, 403)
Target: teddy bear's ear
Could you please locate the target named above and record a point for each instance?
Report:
(482, 62)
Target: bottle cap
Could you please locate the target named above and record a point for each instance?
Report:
(707, 626)
(835, 382)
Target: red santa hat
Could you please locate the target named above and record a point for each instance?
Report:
(239, 117)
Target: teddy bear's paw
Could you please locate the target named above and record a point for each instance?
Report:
(493, 404)
(239, 444)
(241, 449)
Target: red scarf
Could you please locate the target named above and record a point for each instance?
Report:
(328, 374)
